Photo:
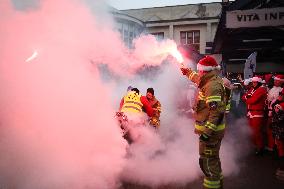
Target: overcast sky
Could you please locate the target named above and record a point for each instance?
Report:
(134, 4)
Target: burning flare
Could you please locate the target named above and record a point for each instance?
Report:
(175, 53)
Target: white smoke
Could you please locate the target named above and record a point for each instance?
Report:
(170, 156)
(236, 146)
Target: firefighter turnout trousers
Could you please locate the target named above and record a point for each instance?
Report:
(209, 161)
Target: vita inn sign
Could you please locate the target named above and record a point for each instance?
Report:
(255, 18)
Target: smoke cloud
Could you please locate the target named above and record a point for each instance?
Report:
(170, 156)
(57, 110)
(57, 124)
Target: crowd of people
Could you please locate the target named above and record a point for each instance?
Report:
(210, 108)
(216, 96)
(264, 99)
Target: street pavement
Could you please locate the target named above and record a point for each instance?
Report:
(256, 172)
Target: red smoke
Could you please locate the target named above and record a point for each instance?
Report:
(57, 127)
(57, 122)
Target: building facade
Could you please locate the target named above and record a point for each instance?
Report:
(128, 26)
(192, 25)
(247, 27)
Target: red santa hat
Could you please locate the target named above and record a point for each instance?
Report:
(257, 78)
(208, 63)
(279, 77)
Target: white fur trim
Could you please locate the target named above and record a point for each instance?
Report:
(247, 81)
(256, 79)
(252, 116)
(279, 79)
(207, 68)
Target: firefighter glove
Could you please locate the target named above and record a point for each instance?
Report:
(204, 137)
(185, 71)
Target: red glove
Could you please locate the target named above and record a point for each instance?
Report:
(185, 71)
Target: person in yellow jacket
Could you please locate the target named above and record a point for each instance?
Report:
(209, 118)
(133, 105)
(134, 102)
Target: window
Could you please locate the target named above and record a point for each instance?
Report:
(125, 33)
(120, 28)
(183, 38)
(131, 35)
(190, 38)
(126, 37)
(159, 36)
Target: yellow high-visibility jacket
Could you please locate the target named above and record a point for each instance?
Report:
(132, 102)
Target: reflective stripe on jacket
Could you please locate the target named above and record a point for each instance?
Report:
(228, 99)
(201, 128)
(132, 102)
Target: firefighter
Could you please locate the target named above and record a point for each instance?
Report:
(255, 100)
(132, 105)
(278, 132)
(133, 102)
(156, 105)
(209, 118)
(272, 96)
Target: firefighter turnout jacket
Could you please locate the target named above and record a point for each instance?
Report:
(211, 102)
(157, 107)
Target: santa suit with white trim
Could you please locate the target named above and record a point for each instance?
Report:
(255, 100)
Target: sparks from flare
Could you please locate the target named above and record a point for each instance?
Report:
(175, 53)
(33, 56)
